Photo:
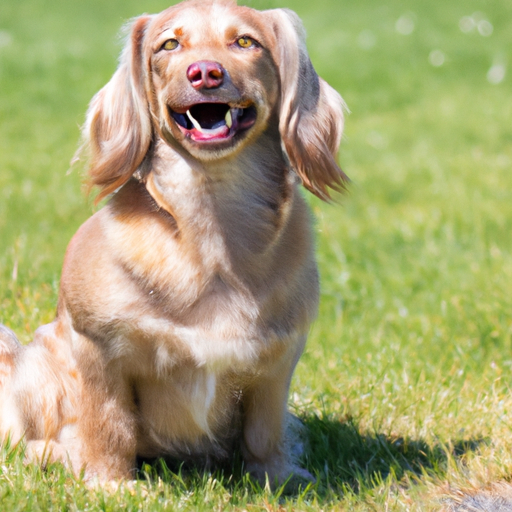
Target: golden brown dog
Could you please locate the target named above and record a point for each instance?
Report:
(185, 302)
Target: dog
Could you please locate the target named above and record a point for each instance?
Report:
(185, 301)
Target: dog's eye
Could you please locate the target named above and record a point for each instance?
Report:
(170, 44)
(245, 42)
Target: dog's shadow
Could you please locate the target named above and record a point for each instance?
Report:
(343, 457)
(340, 455)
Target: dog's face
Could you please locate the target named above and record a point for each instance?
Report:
(213, 78)
(208, 77)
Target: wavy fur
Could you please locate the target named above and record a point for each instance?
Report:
(185, 302)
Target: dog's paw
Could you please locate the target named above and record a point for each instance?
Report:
(296, 438)
(275, 474)
(109, 486)
(302, 475)
(45, 452)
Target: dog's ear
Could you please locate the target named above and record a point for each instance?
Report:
(117, 132)
(311, 112)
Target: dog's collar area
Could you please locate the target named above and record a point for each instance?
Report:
(213, 121)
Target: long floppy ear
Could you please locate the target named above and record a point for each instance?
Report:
(311, 112)
(117, 132)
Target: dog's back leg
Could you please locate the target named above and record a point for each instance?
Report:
(9, 347)
(38, 397)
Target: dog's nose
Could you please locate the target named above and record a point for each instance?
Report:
(205, 74)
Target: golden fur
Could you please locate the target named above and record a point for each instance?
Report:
(185, 302)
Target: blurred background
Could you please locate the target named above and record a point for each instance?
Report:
(414, 335)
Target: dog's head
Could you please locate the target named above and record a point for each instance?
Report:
(208, 77)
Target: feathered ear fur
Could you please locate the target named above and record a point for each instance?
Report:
(311, 112)
(117, 132)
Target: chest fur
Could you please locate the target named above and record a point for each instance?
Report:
(186, 286)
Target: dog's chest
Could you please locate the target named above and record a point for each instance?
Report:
(221, 329)
(195, 367)
(200, 299)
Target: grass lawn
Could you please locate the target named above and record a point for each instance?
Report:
(404, 386)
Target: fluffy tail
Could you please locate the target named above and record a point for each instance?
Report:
(9, 347)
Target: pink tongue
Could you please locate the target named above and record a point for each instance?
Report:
(220, 133)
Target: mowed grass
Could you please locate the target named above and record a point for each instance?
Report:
(404, 386)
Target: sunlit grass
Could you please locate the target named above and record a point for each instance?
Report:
(404, 386)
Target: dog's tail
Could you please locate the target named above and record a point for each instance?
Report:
(9, 348)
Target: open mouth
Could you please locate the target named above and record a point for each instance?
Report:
(213, 122)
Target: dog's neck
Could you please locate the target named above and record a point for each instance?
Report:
(243, 201)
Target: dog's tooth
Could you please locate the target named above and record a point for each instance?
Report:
(229, 119)
(197, 126)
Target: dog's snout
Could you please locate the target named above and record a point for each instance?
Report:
(205, 74)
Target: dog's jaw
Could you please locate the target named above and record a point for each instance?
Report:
(213, 127)
(213, 123)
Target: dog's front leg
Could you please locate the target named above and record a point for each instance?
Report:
(264, 446)
(106, 416)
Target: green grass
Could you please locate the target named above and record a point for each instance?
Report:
(404, 386)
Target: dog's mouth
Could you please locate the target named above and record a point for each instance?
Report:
(213, 122)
